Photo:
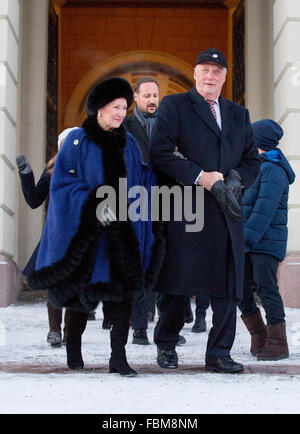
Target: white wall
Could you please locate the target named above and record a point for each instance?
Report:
(33, 91)
(286, 38)
(259, 58)
(9, 78)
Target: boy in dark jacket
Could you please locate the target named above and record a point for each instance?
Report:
(265, 210)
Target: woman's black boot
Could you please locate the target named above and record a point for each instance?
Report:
(77, 324)
(120, 365)
(118, 340)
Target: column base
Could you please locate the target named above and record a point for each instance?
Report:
(10, 279)
(288, 281)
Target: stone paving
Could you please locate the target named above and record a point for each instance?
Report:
(290, 368)
(48, 368)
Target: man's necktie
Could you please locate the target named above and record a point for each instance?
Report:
(212, 108)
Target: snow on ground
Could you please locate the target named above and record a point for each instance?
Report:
(23, 330)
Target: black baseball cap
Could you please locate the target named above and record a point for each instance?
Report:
(212, 55)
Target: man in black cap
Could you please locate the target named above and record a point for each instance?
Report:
(215, 138)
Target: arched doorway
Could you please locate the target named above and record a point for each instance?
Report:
(172, 74)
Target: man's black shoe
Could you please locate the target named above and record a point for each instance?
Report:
(92, 316)
(167, 359)
(181, 341)
(189, 319)
(225, 366)
(140, 337)
(150, 316)
(199, 326)
(106, 324)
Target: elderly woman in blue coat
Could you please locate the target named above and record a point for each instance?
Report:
(265, 209)
(82, 259)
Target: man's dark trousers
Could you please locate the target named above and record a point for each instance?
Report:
(139, 315)
(151, 302)
(171, 322)
(202, 304)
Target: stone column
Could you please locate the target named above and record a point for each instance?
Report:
(259, 58)
(286, 39)
(9, 78)
(33, 89)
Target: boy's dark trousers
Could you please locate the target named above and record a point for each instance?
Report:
(262, 270)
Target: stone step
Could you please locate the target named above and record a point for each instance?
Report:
(49, 368)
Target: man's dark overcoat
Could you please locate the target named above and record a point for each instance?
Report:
(199, 262)
(139, 133)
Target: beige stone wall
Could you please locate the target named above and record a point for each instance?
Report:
(33, 91)
(287, 99)
(273, 91)
(286, 36)
(9, 54)
(23, 79)
(259, 58)
(9, 82)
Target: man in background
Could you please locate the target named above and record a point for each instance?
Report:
(140, 124)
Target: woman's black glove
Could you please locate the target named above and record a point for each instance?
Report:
(23, 165)
(234, 184)
(226, 201)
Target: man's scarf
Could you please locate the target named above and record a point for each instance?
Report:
(145, 119)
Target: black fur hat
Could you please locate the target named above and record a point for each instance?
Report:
(107, 91)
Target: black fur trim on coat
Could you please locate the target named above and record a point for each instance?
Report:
(68, 280)
(89, 229)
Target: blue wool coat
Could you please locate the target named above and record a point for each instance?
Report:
(265, 206)
(80, 261)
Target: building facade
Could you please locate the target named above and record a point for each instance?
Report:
(53, 51)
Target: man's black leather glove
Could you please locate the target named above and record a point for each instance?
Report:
(23, 165)
(226, 201)
(234, 184)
